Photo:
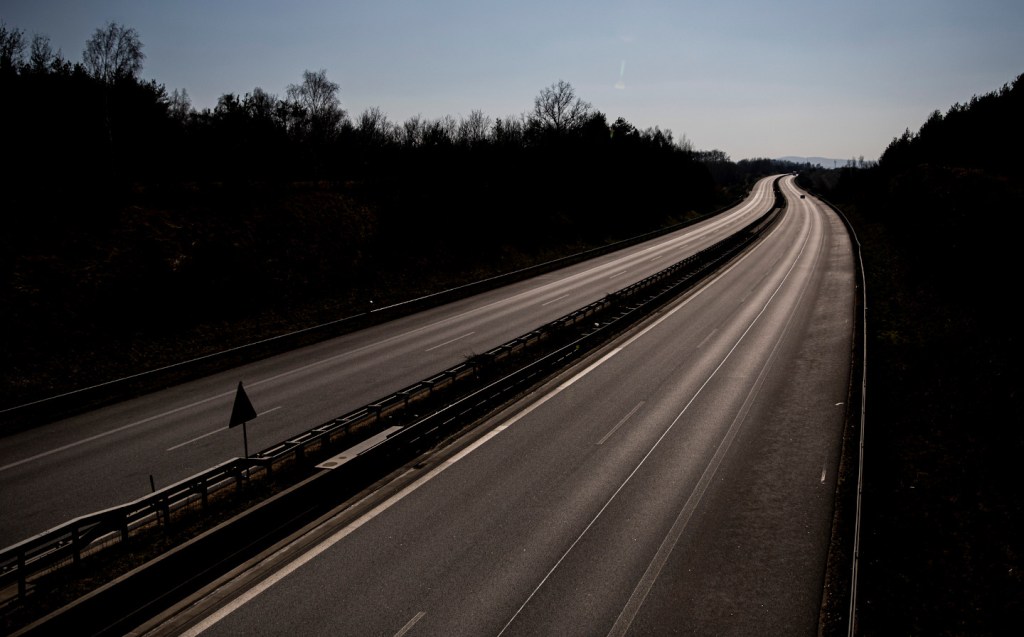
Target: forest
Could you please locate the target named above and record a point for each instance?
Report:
(140, 230)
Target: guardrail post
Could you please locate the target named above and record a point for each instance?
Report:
(76, 552)
(22, 577)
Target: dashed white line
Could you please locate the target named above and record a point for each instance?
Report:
(458, 338)
(208, 434)
(564, 296)
(412, 622)
(707, 338)
(620, 423)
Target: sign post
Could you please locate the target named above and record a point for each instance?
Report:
(241, 413)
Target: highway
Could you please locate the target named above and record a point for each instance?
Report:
(679, 481)
(53, 473)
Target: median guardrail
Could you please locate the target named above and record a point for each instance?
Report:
(63, 405)
(566, 339)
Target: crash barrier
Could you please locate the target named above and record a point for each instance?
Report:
(73, 402)
(69, 543)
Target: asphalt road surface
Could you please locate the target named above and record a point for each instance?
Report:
(678, 482)
(104, 458)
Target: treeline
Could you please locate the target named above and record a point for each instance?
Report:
(947, 185)
(139, 229)
(939, 218)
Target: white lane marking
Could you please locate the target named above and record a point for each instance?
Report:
(412, 622)
(640, 593)
(618, 274)
(72, 445)
(643, 587)
(457, 338)
(291, 567)
(707, 338)
(823, 475)
(208, 434)
(564, 296)
(621, 422)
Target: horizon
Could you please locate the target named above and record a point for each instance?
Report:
(800, 79)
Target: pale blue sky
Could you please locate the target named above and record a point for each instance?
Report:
(755, 79)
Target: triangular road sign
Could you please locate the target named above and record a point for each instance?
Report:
(243, 410)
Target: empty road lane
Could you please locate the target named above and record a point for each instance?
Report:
(680, 481)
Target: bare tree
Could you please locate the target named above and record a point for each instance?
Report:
(113, 52)
(558, 109)
(373, 127)
(317, 97)
(473, 129)
(412, 132)
(440, 132)
(261, 105)
(12, 48)
(509, 131)
(41, 55)
(179, 105)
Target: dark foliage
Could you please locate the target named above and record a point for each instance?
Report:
(139, 230)
(939, 218)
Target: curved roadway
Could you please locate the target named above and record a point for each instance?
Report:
(680, 481)
(100, 459)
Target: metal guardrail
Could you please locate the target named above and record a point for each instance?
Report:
(71, 402)
(68, 543)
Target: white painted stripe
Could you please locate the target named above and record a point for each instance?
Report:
(72, 445)
(618, 274)
(707, 338)
(621, 422)
(208, 434)
(412, 622)
(564, 296)
(459, 338)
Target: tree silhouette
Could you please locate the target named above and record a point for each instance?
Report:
(12, 48)
(557, 109)
(41, 56)
(113, 52)
(320, 113)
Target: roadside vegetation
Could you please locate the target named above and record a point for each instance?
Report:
(940, 219)
(140, 231)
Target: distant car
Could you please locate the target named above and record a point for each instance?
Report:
(801, 196)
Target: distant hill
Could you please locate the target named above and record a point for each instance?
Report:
(824, 162)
